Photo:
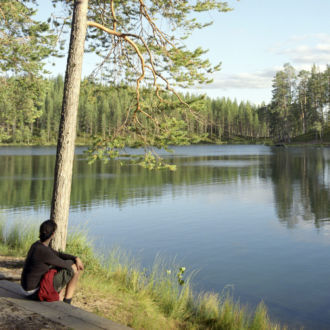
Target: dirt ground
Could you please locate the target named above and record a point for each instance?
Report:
(13, 317)
(11, 267)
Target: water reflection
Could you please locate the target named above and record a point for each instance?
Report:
(301, 185)
(299, 176)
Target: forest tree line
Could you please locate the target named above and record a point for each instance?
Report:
(300, 102)
(30, 110)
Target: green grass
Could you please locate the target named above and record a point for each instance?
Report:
(117, 287)
(17, 239)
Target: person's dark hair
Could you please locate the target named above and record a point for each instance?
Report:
(47, 229)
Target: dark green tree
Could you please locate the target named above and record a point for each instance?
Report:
(24, 44)
(281, 107)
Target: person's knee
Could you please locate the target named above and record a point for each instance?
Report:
(75, 269)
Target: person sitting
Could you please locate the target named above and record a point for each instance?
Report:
(47, 274)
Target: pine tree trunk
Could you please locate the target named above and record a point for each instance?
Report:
(67, 129)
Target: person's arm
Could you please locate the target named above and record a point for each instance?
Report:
(79, 264)
(76, 260)
(48, 256)
(65, 256)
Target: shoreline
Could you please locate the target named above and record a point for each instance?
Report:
(316, 143)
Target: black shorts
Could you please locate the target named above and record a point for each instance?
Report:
(62, 278)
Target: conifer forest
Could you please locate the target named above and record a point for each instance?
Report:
(30, 112)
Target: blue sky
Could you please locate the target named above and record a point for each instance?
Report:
(253, 42)
(258, 37)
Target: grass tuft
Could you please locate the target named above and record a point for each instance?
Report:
(17, 239)
(2, 232)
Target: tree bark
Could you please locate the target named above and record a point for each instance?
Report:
(67, 130)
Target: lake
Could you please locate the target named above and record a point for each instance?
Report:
(251, 220)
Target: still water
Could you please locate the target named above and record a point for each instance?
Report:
(253, 220)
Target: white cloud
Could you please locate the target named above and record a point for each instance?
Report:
(308, 66)
(312, 58)
(305, 49)
(323, 47)
(302, 51)
(310, 36)
(245, 80)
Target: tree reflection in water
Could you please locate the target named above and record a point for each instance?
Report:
(300, 179)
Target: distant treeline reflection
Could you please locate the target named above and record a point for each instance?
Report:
(302, 185)
(300, 180)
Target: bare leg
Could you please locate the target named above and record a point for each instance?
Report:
(62, 294)
(72, 284)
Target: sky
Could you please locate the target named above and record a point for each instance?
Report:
(253, 42)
